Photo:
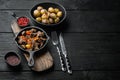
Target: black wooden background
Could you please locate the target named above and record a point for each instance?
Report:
(91, 34)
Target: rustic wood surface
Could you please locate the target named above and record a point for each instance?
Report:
(92, 38)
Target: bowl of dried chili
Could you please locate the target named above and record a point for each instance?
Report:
(23, 21)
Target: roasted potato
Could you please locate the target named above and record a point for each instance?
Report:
(36, 13)
(39, 19)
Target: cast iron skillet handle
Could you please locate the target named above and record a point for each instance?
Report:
(31, 59)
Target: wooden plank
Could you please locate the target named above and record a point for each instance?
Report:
(73, 4)
(57, 75)
(104, 75)
(87, 51)
(77, 21)
(49, 75)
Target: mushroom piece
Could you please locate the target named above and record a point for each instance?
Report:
(43, 39)
(33, 30)
(27, 36)
(36, 46)
(40, 34)
(21, 41)
(39, 40)
(23, 33)
(33, 35)
(41, 44)
(23, 46)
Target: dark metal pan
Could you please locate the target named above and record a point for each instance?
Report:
(31, 53)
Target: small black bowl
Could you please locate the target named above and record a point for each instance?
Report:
(46, 5)
(21, 26)
(12, 57)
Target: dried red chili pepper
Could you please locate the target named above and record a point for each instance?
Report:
(23, 21)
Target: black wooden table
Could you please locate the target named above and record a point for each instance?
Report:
(91, 34)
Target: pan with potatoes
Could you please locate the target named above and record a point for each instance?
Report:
(48, 13)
